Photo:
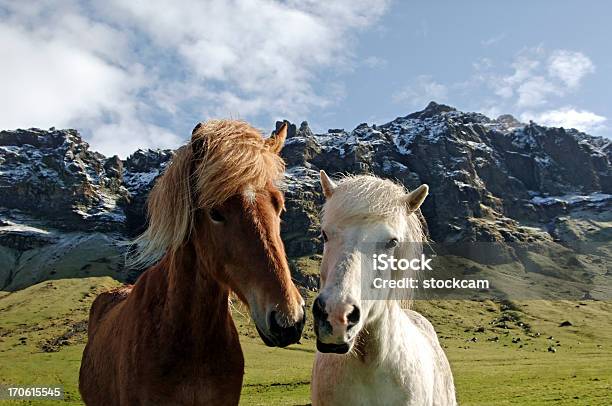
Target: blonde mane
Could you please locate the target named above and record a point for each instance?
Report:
(224, 158)
(366, 198)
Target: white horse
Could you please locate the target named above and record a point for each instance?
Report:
(370, 350)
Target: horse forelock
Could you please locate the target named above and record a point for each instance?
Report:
(368, 199)
(224, 158)
(235, 159)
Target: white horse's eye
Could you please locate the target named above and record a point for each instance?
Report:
(392, 243)
(323, 236)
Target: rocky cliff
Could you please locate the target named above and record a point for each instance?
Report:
(490, 179)
(487, 176)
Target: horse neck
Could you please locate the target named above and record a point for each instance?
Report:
(196, 304)
(380, 335)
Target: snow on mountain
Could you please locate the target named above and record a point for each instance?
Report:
(481, 172)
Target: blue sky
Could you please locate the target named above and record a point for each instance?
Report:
(460, 50)
(134, 75)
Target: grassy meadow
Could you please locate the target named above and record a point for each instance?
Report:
(501, 353)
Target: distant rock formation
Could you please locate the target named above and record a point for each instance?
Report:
(490, 179)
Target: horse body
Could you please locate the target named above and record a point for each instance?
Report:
(170, 338)
(156, 351)
(399, 362)
(370, 350)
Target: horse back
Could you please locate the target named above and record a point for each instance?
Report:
(97, 375)
(103, 304)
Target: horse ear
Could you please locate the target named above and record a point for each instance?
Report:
(327, 184)
(277, 139)
(196, 128)
(415, 199)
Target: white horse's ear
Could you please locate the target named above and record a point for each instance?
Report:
(327, 184)
(415, 199)
(277, 140)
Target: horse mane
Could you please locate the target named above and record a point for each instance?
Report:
(222, 159)
(365, 198)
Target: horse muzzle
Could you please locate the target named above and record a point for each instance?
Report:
(279, 334)
(335, 330)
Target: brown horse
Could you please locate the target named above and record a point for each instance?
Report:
(215, 215)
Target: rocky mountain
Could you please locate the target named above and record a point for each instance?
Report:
(490, 180)
(487, 176)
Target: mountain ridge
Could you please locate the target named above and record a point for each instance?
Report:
(490, 180)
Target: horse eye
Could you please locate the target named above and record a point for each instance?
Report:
(216, 216)
(324, 236)
(392, 243)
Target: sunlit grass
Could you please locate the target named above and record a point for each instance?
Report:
(487, 370)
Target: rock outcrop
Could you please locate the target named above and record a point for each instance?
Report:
(486, 176)
(490, 179)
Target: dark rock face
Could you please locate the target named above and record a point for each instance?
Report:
(25, 239)
(487, 177)
(141, 170)
(54, 175)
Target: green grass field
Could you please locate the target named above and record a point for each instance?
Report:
(499, 352)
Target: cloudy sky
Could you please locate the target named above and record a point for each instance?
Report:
(140, 74)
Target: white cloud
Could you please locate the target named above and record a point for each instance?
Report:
(534, 91)
(52, 82)
(568, 117)
(423, 90)
(248, 58)
(539, 81)
(569, 66)
(135, 74)
(537, 74)
(524, 65)
(128, 134)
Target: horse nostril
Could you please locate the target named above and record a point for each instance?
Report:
(353, 317)
(318, 309)
(275, 328)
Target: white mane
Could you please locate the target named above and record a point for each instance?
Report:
(365, 198)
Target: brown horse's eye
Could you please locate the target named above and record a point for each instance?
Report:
(216, 216)
(277, 202)
(323, 236)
